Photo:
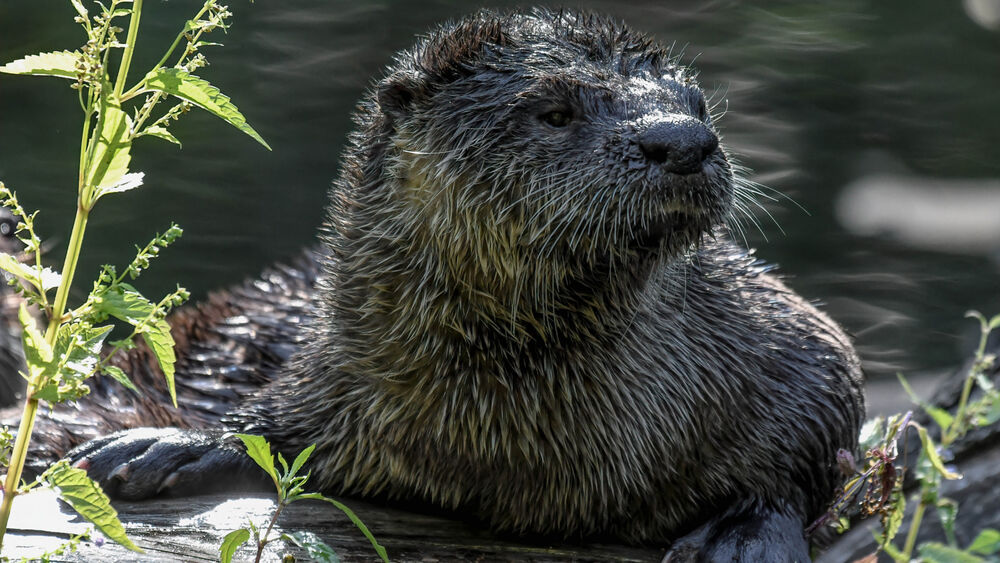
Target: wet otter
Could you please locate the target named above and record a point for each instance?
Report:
(526, 306)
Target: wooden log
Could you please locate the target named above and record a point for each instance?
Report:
(192, 529)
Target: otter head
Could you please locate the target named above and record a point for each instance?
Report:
(530, 158)
(582, 135)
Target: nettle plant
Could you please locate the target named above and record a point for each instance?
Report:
(72, 346)
(875, 486)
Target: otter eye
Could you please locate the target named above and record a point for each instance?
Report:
(557, 118)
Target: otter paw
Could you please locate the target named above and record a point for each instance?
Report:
(747, 532)
(145, 462)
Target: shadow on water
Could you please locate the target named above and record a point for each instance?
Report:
(875, 117)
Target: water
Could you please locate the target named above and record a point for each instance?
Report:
(828, 103)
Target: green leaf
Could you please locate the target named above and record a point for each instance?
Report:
(933, 552)
(354, 518)
(231, 543)
(57, 63)
(930, 450)
(111, 155)
(260, 451)
(301, 459)
(37, 352)
(80, 9)
(315, 548)
(941, 417)
(161, 342)
(120, 376)
(871, 433)
(178, 82)
(161, 132)
(986, 543)
(124, 302)
(124, 184)
(947, 510)
(88, 500)
(894, 519)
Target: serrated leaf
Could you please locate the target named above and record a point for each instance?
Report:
(231, 543)
(930, 450)
(126, 303)
(871, 433)
(301, 459)
(947, 510)
(80, 9)
(121, 377)
(56, 63)
(37, 351)
(354, 518)
(180, 83)
(161, 342)
(894, 519)
(78, 348)
(259, 450)
(161, 132)
(89, 501)
(986, 543)
(315, 548)
(127, 182)
(941, 417)
(933, 552)
(111, 155)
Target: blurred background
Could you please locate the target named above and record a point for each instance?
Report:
(877, 120)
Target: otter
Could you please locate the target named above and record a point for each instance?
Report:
(526, 306)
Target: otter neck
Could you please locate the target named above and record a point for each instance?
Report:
(418, 312)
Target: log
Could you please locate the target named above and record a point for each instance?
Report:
(192, 529)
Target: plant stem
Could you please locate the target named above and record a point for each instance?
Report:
(17, 458)
(263, 540)
(133, 31)
(69, 268)
(911, 535)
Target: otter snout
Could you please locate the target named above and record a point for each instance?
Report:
(681, 144)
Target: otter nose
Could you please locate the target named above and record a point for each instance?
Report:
(680, 145)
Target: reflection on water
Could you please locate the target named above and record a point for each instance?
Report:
(809, 90)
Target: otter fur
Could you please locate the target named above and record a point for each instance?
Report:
(525, 305)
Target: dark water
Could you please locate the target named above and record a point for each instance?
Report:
(878, 118)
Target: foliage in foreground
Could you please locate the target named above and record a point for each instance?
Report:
(290, 486)
(877, 488)
(70, 350)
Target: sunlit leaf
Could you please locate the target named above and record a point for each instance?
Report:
(120, 376)
(57, 63)
(111, 155)
(231, 543)
(986, 543)
(161, 342)
(930, 450)
(178, 82)
(37, 352)
(161, 132)
(125, 183)
(88, 500)
(260, 451)
(126, 303)
(933, 552)
(301, 459)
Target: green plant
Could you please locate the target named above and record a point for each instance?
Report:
(877, 488)
(70, 349)
(290, 486)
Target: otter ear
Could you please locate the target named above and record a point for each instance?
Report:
(397, 92)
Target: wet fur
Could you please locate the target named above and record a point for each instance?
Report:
(534, 325)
